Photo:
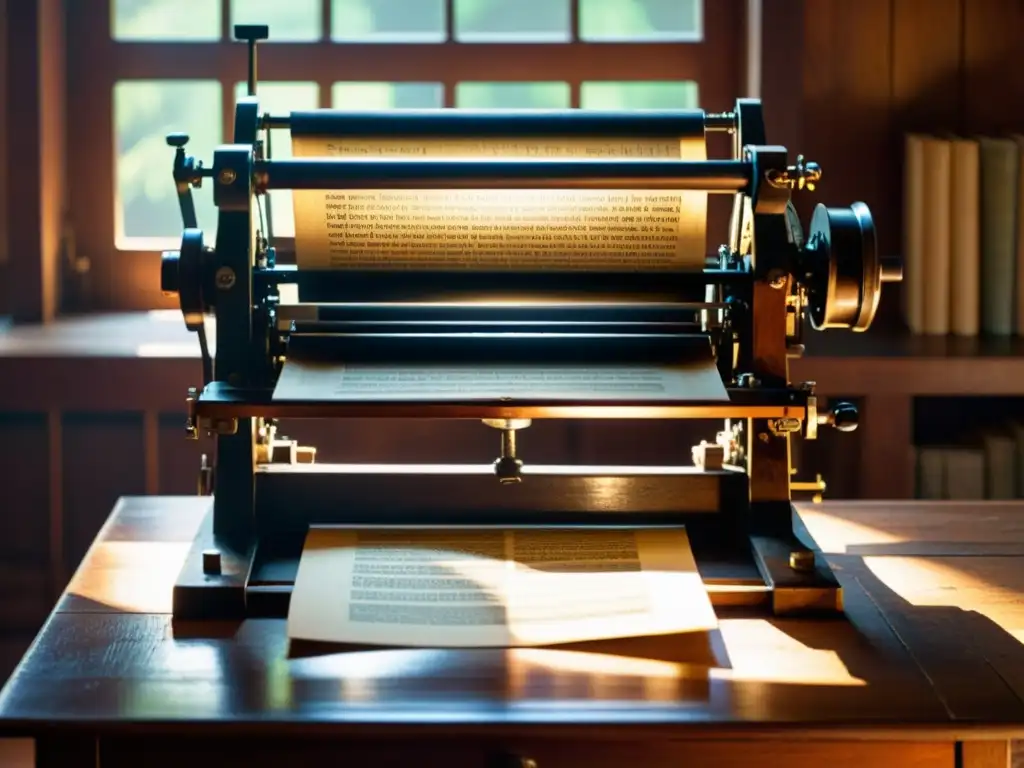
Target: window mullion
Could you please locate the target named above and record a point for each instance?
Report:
(449, 82)
(226, 33)
(324, 84)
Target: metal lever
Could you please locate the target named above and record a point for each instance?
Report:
(803, 175)
(843, 416)
(184, 166)
(508, 467)
(188, 173)
(251, 33)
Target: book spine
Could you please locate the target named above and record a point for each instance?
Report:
(999, 171)
(931, 473)
(965, 242)
(1019, 232)
(913, 232)
(936, 241)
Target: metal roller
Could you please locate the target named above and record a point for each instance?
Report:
(498, 349)
(438, 285)
(505, 124)
(712, 176)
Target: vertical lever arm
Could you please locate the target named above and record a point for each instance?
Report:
(251, 34)
(186, 175)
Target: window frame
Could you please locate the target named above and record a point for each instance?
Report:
(124, 280)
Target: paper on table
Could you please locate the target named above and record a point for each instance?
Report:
(304, 380)
(500, 229)
(488, 588)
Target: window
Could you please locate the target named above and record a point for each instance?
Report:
(140, 69)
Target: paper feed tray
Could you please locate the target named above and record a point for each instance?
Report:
(448, 376)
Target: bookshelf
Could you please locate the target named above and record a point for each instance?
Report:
(887, 372)
(898, 363)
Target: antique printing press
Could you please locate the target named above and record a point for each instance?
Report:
(747, 307)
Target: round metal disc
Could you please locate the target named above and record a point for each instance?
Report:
(845, 279)
(247, 120)
(190, 278)
(871, 292)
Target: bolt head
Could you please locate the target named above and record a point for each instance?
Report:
(225, 278)
(801, 560)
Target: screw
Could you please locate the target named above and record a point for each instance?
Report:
(211, 562)
(227, 176)
(225, 278)
(801, 560)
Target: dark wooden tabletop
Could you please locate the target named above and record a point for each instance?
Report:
(930, 648)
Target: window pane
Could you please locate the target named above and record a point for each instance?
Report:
(145, 111)
(512, 95)
(387, 95)
(292, 20)
(531, 21)
(280, 99)
(636, 95)
(388, 21)
(165, 19)
(641, 19)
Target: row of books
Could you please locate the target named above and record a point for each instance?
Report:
(963, 201)
(992, 467)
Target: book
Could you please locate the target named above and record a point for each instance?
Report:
(935, 266)
(913, 232)
(965, 244)
(931, 473)
(1019, 232)
(965, 473)
(999, 179)
(987, 464)
(1000, 466)
(491, 588)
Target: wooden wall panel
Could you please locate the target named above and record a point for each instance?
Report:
(102, 459)
(993, 33)
(24, 451)
(927, 75)
(35, 84)
(846, 105)
(24, 522)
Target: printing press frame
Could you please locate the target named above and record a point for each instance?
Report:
(749, 305)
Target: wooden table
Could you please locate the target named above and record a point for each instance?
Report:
(926, 670)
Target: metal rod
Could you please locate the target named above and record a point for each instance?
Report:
(501, 349)
(329, 327)
(240, 406)
(423, 123)
(437, 285)
(555, 314)
(715, 176)
(251, 84)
